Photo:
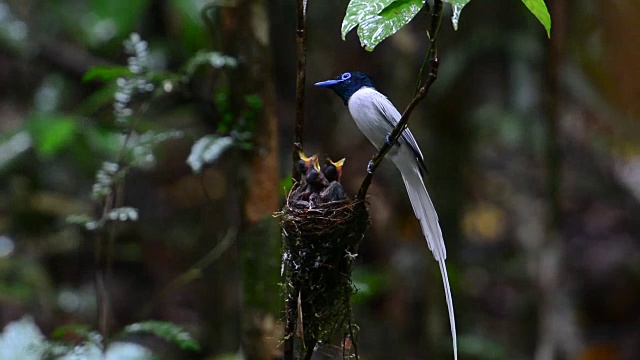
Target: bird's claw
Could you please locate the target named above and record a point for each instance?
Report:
(370, 167)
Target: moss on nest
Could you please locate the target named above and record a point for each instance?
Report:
(321, 241)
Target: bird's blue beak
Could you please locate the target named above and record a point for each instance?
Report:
(328, 83)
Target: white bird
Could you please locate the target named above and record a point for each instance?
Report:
(376, 117)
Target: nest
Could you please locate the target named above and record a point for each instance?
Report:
(321, 241)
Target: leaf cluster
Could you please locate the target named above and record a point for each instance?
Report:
(378, 19)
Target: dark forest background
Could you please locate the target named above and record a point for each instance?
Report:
(532, 145)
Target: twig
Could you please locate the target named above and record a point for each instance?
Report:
(301, 76)
(432, 55)
(196, 270)
(436, 22)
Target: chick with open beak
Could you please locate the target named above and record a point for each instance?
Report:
(333, 173)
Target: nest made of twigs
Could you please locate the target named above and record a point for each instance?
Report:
(320, 243)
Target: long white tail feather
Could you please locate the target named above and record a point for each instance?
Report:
(447, 294)
(421, 203)
(417, 209)
(426, 214)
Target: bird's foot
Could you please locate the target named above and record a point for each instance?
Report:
(370, 167)
(387, 139)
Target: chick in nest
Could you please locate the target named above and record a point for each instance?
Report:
(318, 185)
(332, 171)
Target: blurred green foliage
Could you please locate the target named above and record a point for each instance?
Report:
(369, 284)
(189, 28)
(51, 132)
(100, 24)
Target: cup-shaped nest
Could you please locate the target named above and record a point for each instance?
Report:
(320, 243)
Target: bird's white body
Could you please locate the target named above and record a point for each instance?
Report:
(376, 116)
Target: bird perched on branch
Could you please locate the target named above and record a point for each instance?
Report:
(376, 117)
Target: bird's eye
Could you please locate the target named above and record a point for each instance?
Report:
(346, 76)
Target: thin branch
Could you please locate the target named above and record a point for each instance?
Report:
(196, 270)
(301, 76)
(436, 20)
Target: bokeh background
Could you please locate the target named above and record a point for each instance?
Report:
(532, 147)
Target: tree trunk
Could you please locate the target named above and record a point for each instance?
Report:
(245, 36)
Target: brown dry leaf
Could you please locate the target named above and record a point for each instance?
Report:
(300, 326)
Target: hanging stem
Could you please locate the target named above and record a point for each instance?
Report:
(421, 93)
(301, 76)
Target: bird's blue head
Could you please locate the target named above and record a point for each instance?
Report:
(347, 84)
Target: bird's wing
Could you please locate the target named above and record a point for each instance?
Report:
(392, 116)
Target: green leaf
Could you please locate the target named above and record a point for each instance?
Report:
(359, 11)
(457, 9)
(391, 19)
(539, 10)
(51, 133)
(168, 331)
(105, 73)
